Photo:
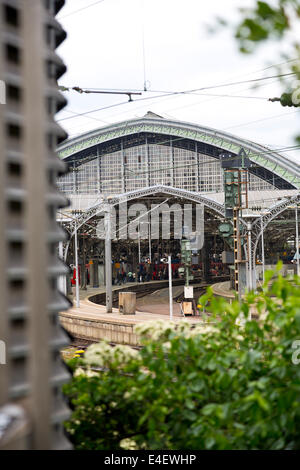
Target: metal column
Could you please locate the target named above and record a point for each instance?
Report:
(77, 302)
(250, 286)
(172, 162)
(108, 270)
(98, 171)
(74, 179)
(139, 244)
(149, 234)
(262, 248)
(170, 288)
(148, 160)
(237, 251)
(196, 170)
(124, 168)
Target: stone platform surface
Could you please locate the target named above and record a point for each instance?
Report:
(91, 322)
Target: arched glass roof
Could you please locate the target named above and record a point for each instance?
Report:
(262, 156)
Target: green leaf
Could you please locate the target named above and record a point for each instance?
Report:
(209, 442)
(264, 10)
(209, 409)
(189, 404)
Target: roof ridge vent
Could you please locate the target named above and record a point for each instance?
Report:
(152, 115)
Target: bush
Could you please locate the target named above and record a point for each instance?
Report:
(226, 385)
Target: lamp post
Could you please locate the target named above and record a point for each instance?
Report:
(149, 239)
(250, 285)
(139, 244)
(149, 232)
(296, 237)
(77, 303)
(170, 287)
(262, 247)
(62, 278)
(251, 278)
(108, 270)
(62, 284)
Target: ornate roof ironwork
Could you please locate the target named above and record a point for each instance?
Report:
(259, 154)
(260, 223)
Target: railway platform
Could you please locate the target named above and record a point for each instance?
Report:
(90, 322)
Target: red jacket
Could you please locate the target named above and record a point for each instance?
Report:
(73, 280)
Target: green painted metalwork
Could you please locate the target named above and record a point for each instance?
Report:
(263, 156)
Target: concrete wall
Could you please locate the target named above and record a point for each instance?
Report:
(96, 330)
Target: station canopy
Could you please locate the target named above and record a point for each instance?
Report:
(152, 151)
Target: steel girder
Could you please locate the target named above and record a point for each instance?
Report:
(260, 223)
(106, 203)
(169, 190)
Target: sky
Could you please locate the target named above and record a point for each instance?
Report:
(168, 46)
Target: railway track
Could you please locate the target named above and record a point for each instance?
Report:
(198, 291)
(142, 290)
(79, 343)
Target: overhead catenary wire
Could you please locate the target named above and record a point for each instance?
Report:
(189, 105)
(92, 118)
(129, 93)
(195, 90)
(194, 104)
(94, 110)
(143, 45)
(98, 92)
(166, 94)
(162, 99)
(79, 10)
(260, 120)
(180, 107)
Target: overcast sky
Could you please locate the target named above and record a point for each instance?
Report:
(104, 49)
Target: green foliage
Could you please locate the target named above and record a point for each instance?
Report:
(261, 23)
(274, 21)
(219, 386)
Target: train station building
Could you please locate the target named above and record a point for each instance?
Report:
(156, 164)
